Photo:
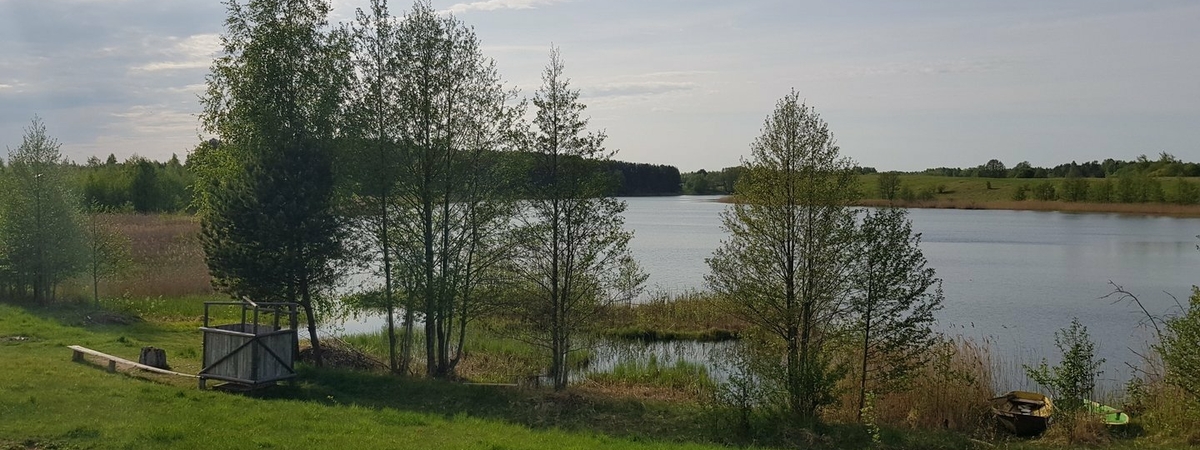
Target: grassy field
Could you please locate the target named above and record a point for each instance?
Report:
(47, 401)
(975, 193)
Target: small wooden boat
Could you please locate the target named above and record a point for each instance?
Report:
(1109, 415)
(1023, 413)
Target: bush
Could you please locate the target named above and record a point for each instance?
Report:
(1074, 379)
(1075, 189)
(1021, 193)
(1179, 351)
(1044, 191)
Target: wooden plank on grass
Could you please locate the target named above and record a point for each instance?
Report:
(79, 351)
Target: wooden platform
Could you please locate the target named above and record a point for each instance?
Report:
(113, 361)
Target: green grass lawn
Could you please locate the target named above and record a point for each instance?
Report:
(48, 401)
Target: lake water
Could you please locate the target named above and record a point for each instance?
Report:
(1010, 277)
(1013, 277)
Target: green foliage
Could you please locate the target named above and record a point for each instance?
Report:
(644, 179)
(41, 243)
(782, 265)
(1075, 189)
(1185, 192)
(1044, 191)
(681, 375)
(274, 100)
(108, 251)
(1180, 348)
(572, 254)
(1073, 380)
(894, 296)
(1021, 193)
(703, 182)
(889, 185)
(1101, 192)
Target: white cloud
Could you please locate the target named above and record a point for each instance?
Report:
(638, 88)
(492, 5)
(192, 52)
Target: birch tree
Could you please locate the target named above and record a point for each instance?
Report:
(894, 296)
(450, 210)
(783, 267)
(274, 101)
(573, 248)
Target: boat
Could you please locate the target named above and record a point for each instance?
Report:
(1023, 413)
(1109, 415)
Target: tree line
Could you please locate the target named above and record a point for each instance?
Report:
(1166, 165)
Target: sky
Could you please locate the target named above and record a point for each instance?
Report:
(903, 85)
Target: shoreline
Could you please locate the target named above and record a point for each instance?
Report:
(1133, 209)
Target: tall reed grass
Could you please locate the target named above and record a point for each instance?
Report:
(166, 260)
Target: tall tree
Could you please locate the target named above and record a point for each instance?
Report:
(894, 296)
(783, 267)
(376, 117)
(41, 239)
(574, 250)
(274, 100)
(436, 107)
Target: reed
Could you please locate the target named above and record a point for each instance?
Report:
(951, 392)
(687, 315)
(681, 379)
(165, 260)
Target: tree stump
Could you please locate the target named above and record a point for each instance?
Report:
(154, 357)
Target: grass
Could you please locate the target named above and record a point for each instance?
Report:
(47, 401)
(166, 260)
(975, 193)
(691, 315)
(684, 377)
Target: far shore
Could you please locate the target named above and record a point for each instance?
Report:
(1141, 209)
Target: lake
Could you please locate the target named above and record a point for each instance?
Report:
(1010, 277)
(1013, 277)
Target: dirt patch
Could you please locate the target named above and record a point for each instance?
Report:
(338, 354)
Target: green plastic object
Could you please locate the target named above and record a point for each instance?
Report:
(1110, 416)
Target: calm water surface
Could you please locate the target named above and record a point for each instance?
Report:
(1013, 277)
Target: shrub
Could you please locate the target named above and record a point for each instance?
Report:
(1044, 191)
(1179, 351)
(1021, 193)
(1073, 380)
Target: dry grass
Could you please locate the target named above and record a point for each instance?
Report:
(951, 392)
(1077, 429)
(166, 259)
(1153, 209)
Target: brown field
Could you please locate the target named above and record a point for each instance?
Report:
(165, 255)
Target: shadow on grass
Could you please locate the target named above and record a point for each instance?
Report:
(580, 411)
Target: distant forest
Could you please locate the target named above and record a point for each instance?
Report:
(703, 182)
(142, 185)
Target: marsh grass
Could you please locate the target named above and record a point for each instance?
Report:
(688, 315)
(951, 392)
(166, 260)
(681, 375)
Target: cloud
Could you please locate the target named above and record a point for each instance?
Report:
(192, 52)
(492, 5)
(639, 88)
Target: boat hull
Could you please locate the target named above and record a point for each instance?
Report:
(1023, 413)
